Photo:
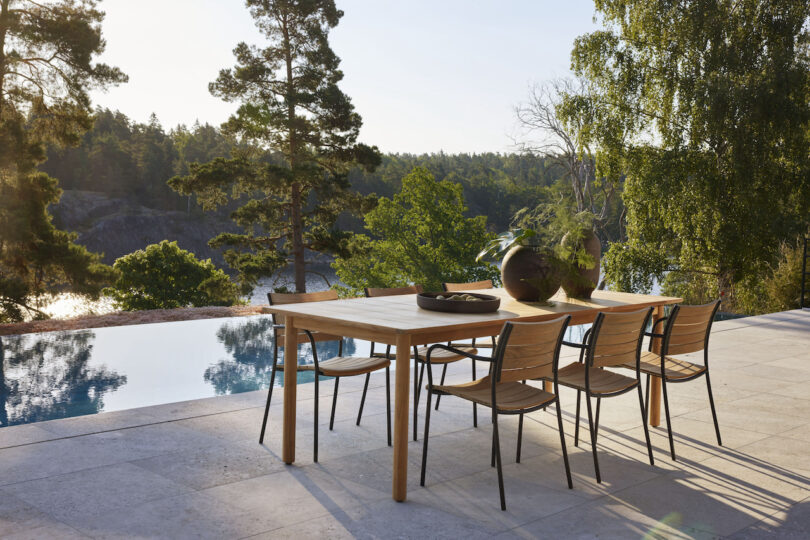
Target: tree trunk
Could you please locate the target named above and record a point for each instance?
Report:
(298, 240)
(3, 30)
(296, 222)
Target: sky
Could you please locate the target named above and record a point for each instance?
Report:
(426, 76)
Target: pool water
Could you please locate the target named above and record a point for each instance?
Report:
(62, 374)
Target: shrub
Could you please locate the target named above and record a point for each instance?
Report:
(164, 276)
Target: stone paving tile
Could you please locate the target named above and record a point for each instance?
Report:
(18, 516)
(94, 423)
(214, 465)
(57, 530)
(24, 434)
(190, 515)
(77, 497)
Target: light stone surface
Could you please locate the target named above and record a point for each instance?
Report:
(195, 469)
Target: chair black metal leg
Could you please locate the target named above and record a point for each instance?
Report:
(269, 395)
(388, 400)
(644, 423)
(363, 399)
(666, 412)
(520, 438)
(317, 396)
(334, 404)
(419, 386)
(475, 405)
(647, 399)
(593, 439)
(497, 443)
(576, 421)
(596, 423)
(562, 442)
(415, 393)
(441, 382)
(425, 442)
(714, 413)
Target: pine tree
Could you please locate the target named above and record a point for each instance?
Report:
(46, 71)
(290, 103)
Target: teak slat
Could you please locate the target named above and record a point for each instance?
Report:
(686, 348)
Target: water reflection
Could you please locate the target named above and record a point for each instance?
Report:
(48, 377)
(250, 346)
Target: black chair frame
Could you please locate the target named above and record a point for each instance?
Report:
(586, 355)
(318, 375)
(665, 340)
(496, 364)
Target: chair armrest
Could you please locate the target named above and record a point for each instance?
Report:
(456, 351)
(577, 345)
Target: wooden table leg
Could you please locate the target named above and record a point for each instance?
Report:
(401, 397)
(290, 387)
(655, 384)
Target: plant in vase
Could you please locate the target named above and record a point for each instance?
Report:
(580, 250)
(530, 272)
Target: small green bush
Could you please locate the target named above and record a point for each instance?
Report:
(780, 290)
(163, 276)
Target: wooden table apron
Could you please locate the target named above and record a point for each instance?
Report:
(383, 331)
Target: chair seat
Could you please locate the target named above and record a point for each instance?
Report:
(674, 368)
(442, 356)
(511, 396)
(602, 381)
(344, 366)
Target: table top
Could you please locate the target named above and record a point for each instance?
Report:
(400, 314)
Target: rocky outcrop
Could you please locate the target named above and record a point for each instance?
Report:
(116, 227)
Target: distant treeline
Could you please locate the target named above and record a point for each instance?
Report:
(126, 159)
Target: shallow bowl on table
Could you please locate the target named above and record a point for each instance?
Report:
(487, 304)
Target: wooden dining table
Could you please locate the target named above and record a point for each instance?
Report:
(398, 321)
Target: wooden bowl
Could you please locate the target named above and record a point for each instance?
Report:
(488, 303)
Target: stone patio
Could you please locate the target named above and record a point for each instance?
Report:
(195, 469)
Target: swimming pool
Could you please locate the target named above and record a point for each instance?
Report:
(62, 374)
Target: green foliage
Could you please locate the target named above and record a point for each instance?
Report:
(127, 159)
(289, 102)
(420, 236)
(780, 290)
(498, 246)
(35, 257)
(46, 71)
(706, 106)
(163, 276)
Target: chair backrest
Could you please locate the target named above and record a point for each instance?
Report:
(688, 328)
(616, 337)
(453, 287)
(392, 291)
(277, 299)
(529, 350)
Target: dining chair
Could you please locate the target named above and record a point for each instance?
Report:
(337, 367)
(687, 330)
(524, 351)
(441, 357)
(460, 287)
(614, 341)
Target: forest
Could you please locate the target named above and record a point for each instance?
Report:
(125, 159)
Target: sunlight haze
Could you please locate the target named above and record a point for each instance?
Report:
(425, 76)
